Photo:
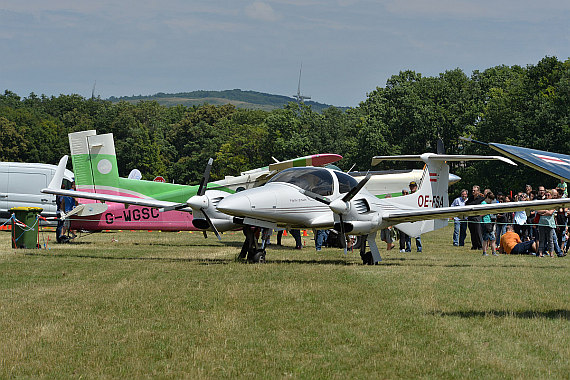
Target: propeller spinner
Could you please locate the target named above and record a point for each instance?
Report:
(200, 202)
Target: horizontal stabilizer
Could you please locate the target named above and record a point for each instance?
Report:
(89, 209)
(439, 157)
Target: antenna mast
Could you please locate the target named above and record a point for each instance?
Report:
(300, 98)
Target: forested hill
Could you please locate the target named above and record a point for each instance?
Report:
(237, 97)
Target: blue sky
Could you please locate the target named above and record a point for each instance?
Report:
(347, 47)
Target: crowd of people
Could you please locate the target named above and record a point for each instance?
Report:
(540, 232)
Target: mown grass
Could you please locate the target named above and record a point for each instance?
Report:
(171, 305)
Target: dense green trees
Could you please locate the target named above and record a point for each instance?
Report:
(526, 106)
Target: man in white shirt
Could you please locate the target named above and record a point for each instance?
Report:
(459, 225)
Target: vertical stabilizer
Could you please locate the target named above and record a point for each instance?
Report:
(94, 161)
(431, 193)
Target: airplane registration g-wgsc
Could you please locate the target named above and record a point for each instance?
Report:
(97, 179)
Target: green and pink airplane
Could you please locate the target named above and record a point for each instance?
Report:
(151, 205)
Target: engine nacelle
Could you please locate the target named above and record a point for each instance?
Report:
(207, 203)
(366, 226)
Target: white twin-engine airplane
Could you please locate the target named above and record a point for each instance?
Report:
(321, 198)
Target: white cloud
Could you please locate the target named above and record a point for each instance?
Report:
(261, 11)
(522, 10)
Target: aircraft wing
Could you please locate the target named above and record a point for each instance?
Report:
(440, 157)
(148, 202)
(554, 164)
(312, 160)
(399, 216)
(54, 187)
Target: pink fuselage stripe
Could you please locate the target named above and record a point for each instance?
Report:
(119, 217)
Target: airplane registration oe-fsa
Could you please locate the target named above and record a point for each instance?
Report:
(322, 198)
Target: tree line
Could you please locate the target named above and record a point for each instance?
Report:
(525, 106)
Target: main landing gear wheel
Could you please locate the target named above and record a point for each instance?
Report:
(367, 258)
(258, 257)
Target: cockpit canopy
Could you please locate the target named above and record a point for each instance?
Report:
(317, 180)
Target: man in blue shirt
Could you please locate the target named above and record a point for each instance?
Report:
(65, 204)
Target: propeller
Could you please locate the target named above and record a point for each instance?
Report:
(340, 206)
(205, 177)
(200, 201)
(348, 196)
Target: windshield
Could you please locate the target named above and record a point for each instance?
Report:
(317, 180)
(345, 182)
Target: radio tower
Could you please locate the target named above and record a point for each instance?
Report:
(300, 98)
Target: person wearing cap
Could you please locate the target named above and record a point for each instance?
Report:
(413, 188)
(474, 221)
(401, 235)
(562, 187)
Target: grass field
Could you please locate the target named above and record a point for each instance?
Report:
(172, 305)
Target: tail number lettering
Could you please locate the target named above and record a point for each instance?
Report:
(426, 201)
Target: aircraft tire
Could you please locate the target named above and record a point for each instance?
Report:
(259, 256)
(367, 258)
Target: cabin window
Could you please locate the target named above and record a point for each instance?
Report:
(345, 182)
(317, 180)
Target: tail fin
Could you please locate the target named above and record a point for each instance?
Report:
(432, 189)
(94, 161)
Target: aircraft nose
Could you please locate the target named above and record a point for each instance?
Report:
(236, 204)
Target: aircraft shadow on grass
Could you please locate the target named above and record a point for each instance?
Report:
(205, 261)
(525, 314)
(394, 261)
(202, 261)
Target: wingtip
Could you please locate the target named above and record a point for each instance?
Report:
(55, 182)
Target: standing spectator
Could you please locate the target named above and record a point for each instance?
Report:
(528, 191)
(321, 237)
(65, 205)
(459, 225)
(546, 225)
(520, 218)
(413, 188)
(296, 233)
(474, 222)
(564, 187)
(386, 233)
(401, 235)
(503, 219)
(487, 227)
(561, 223)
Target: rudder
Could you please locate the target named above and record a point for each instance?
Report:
(94, 161)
